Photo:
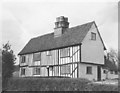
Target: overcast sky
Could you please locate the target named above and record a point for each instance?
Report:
(24, 20)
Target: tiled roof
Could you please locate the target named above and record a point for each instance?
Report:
(72, 36)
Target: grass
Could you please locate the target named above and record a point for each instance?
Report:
(56, 84)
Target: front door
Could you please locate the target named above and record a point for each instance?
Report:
(99, 73)
(50, 71)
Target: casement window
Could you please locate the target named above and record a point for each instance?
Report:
(104, 71)
(116, 72)
(93, 36)
(65, 52)
(111, 72)
(37, 56)
(22, 71)
(65, 69)
(88, 70)
(36, 71)
(23, 59)
(48, 53)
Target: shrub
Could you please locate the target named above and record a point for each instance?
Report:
(101, 87)
(47, 84)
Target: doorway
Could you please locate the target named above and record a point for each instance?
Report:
(99, 73)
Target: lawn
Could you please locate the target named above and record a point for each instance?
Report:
(56, 84)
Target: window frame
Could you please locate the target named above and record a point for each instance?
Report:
(111, 72)
(35, 70)
(23, 70)
(89, 70)
(64, 68)
(37, 59)
(104, 71)
(93, 36)
(65, 50)
(116, 72)
(49, 53)
(23, 59)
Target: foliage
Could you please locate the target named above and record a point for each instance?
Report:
(47, 84)
(8, 61)
(113, 55)
(113, 58)
(101, 87)
(56, 84)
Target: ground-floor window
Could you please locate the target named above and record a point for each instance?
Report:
(65, 69)
(22, 71)
(104, 71)
(111, 72)
(88, 70)
(116, 72)
(36, 71)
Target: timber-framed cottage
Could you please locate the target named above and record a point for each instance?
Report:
(76, 52)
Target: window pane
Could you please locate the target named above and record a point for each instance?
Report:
(104, 71)
(36, 57)
(65, 69)
(48, 53)
(89, 70)
(111, 72)
(36, 71)
(22, 71)
(23, 59)
(93, 36)
(65, 52)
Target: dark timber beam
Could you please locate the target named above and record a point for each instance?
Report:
(58, 62)
(72, 60)
(80, 58)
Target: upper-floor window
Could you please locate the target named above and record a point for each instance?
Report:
(48, 53)
(36, 71)
(23, 59)
(22, 71)
(89, 70)
(93, 36)
(65, 52)
(37, 56)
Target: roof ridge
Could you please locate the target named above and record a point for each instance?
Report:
(42, 35)
(68, 28)
(46, 41)
(82, 24)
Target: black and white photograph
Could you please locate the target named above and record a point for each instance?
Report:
(59, 45)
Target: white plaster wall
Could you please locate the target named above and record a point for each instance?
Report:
(44, 71)
(82, 72)
(29, 71)
(103, 75)
(92, 50)
(109, 75)
(112, 76)
(30, 59)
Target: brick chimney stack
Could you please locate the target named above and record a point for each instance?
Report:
(61, 25)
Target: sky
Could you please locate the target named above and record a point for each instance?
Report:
(21, 20)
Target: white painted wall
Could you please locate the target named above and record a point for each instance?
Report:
(103, 75)
(28, 72)
(109, 75)
(82, 72)
(112, 76)
(92, 51)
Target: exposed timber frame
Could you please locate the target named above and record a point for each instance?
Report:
(73, 60)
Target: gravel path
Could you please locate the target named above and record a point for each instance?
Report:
(112, 82)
